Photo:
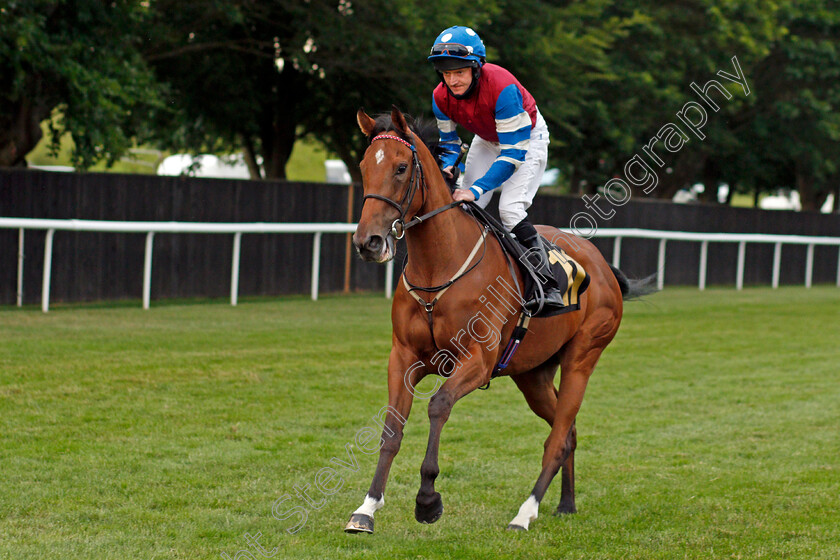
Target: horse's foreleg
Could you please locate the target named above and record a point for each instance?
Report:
(429, 505)
(402, 378)
(578, 362)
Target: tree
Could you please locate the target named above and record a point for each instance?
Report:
(564, 55)
(793, 131)
(229, 75)
(659, 49)
(376, 56)
(225, 90)
(62, 59)
(372, 54)
(280, 70)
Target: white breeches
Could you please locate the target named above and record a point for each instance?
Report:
(518, 191)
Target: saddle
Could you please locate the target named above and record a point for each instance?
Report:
(571, 277)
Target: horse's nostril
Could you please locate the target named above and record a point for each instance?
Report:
(375, 242)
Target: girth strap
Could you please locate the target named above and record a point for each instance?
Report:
(516, 338)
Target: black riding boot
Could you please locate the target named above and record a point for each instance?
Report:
(538, 259)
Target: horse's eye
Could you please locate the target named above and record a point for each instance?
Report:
(401, 169)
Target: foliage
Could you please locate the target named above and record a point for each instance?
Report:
(791, 136)
(217, 60)
(656, 51)
(243, 75)
(78, 55)
(279, 71)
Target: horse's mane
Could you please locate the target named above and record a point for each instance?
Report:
(426, 130)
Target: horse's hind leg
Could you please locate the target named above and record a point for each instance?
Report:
(567, 477)
(538, 388)
(578, 362)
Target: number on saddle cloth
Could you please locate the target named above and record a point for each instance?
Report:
(570, 275)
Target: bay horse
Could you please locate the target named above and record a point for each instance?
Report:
(458, 317)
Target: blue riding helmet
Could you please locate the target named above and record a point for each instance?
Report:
(457, 47)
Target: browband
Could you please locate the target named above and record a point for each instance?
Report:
(392, 137)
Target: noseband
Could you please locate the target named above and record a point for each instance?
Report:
(399, 226)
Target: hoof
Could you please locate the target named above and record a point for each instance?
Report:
(359, 523)
(565, 510)
(429, 513)
(513, 527)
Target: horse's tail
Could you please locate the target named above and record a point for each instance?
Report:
(632, 288)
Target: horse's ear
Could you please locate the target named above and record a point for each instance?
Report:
(399, 120)
(366, 123)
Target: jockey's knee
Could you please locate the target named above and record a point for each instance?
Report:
(512, 216)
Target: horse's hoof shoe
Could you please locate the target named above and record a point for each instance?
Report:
(359, 523)
(513, 527)
(430, 513)
(434, 518)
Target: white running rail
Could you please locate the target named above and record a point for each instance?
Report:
(740, 238)
(318, 229)
(151, 228)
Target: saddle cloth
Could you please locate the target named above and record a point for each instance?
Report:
(571, 277)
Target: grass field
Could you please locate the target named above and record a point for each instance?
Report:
(710, 429)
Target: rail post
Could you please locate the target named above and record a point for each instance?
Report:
(389, 279)
(660, 265)
(45, 284)
(316, 265)
(19, 293)
(617, 252)
(147, 270)
(704, 258)
(234, 269)
(809, 266)
(838, 267)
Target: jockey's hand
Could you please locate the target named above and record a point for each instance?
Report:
(463, 195)
(447, 172)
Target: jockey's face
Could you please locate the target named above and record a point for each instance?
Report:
(458, 80)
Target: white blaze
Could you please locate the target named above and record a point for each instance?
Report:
(380, 155)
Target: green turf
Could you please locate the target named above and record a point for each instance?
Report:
(709, 430)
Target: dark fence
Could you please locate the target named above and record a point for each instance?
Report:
(109, 266)
(639, 256)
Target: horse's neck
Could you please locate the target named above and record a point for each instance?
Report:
(437, 248)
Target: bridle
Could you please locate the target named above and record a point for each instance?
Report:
(398, 227)
(416, 181)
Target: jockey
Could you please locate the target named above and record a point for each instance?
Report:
(510, 147)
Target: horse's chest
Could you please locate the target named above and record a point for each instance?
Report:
(450, 336)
